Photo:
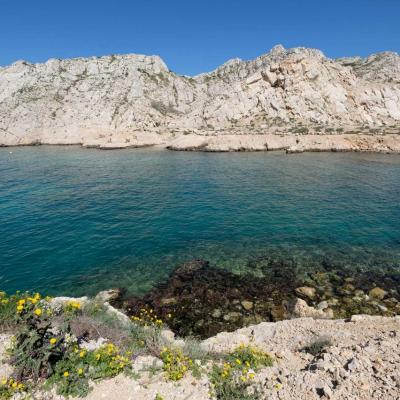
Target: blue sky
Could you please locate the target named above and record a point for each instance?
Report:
(194, 36)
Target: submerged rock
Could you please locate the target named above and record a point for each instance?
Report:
(306, 291)
(247, 305)
(302, 309)
(377, 293)
(204, 300)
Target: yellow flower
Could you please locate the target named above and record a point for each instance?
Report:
(4, 382)
(38, 312)
(14, 385)
(20, 386)
(75, 304)
(66, 374)
(80, 371)
(21, 302)
(98, 357)
(82, 354)
(53, 341)
(238, 362)
(20, 308)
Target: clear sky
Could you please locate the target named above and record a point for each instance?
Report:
(194, 36)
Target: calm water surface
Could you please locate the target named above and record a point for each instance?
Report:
(75, 221)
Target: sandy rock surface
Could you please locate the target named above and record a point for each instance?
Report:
(361, 362)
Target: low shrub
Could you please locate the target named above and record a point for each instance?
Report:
(8, 305)
(232, 379)
(36, 347)
(79, 366)
(318, 346)
(176, 364)
(10, 387)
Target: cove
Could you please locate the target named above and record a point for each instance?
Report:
(75, 221)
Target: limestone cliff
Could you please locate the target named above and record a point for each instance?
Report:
(130, 100)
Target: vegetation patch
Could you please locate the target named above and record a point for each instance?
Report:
(233, 378)
(50, 349)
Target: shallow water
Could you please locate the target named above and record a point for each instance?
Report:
(75, 220)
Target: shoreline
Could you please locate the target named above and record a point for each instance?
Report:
(384, 143)
(353, 358)
(206, 300)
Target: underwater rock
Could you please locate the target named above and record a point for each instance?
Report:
(110, 295)
(306, 291)
(205, 300)
(247, 305)
(377, 293)
(302, 309)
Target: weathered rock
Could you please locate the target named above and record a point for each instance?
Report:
(143, 363)
(232, 316)
(247, 305)
(377, 293)
(109, 295)
(301, 309)
(306, 291)
(167, 335)
(216, 313)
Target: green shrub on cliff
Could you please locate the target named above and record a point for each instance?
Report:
(233, 378)
(44, 348)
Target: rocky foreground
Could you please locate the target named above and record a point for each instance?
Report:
(288, 99)
(357, 358)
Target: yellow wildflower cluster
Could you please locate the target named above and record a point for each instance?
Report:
(74, 304)
(3, 298)
(73, 307)
(110, 354)
(249, 357)
(10, 386)
(106, 361)
(147, 317)
(176, 364)
(29, 304)
(238, 369)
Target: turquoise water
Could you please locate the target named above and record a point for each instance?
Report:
(75, 220)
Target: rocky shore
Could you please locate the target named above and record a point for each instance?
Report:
(353, 359)
(215, 142)
(314, 328)
(205, 300)
(288, 143)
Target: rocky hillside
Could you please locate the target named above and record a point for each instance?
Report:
(135, 99)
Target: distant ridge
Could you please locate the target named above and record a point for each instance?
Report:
(94, 100)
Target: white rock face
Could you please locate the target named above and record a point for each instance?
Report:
(134, 100)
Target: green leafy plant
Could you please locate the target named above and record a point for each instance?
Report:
(8, 316)
(79, 366)
(316, 347)
(232, 379)
(36, 348)
(10, 387)
(176, 364)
